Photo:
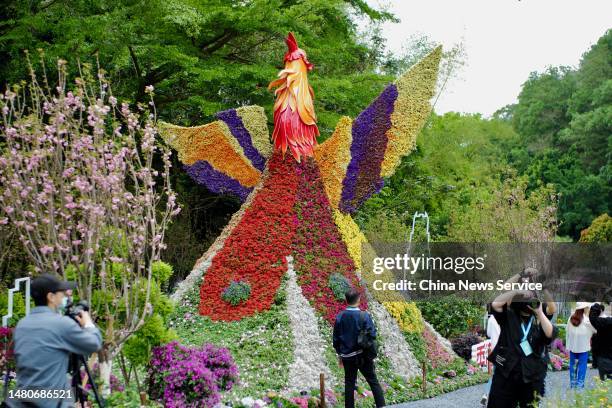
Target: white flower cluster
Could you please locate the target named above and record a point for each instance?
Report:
(308, 361)
(394, 344)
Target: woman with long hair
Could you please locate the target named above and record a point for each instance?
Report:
(578, 342)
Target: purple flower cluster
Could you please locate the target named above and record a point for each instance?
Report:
(242, 135)
(368, 149)
(203, 173)
(557, 344)
(182, 376)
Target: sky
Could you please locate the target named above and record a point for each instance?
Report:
(504, 40)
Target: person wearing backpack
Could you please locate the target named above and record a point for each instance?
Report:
(354, 339)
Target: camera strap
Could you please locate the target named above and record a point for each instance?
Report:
(526, 330)
(525, 346)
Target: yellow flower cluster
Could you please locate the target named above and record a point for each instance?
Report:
(407, 315)
(415, 89)
(213, 143)
(351, 235)
(255, 121)
(333, 157)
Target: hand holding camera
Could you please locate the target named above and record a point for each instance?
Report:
(84, 318)
(80, 313)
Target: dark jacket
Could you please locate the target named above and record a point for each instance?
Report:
(602, 341)
(508, 356)
(346, 331)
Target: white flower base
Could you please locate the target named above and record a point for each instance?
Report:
(308, 345)
(394, 345)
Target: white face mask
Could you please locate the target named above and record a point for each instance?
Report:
(64, 303)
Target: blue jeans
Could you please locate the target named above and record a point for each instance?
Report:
(488, 386)
(578, 368)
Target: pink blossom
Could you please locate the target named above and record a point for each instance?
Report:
(45, 250)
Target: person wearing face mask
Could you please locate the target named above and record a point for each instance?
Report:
(520, 355)
(44, 339)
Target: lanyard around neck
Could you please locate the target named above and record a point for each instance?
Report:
(526, 331)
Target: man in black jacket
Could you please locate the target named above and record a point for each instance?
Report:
(520, 355)
(351, 356)
(603, 342)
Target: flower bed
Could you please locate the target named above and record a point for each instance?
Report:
(559, 356)
(255, 252)
(254, 343)
(318, 247)
(181, 376)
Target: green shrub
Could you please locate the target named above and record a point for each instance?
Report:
(451, 316)
(236, 292)
(137, 348)
(600, 230)
(339, 285)
(161, 272)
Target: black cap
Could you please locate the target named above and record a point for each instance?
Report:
(46, 283)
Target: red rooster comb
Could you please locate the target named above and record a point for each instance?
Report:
(294, 52)
(291, 42)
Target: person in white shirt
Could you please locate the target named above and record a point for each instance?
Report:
(578, 342)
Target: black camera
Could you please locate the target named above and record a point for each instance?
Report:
(534, 303)
(74, 309)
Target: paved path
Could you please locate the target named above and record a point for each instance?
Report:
(556, 383)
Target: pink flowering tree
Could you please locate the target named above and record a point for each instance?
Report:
(87, 188)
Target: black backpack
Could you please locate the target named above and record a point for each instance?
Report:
(366, 340)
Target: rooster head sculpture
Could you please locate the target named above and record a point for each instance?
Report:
(295, 122)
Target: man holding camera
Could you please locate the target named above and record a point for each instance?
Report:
(43, 341)
(520, 355)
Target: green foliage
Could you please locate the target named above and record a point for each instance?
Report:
(458, 159)
(417, 345)
(236, 292)
(18, 306)
(507, 214)
(161, 272)
(204, 56)
(126, 399)
(598, 396)
(563, 118)
(153, 333)
(451, 316)
(599, 231)
(339, 285)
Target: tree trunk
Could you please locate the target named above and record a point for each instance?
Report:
(105, 365)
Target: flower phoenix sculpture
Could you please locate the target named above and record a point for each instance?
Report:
(295, 203)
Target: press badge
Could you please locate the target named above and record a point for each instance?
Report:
(526, 347)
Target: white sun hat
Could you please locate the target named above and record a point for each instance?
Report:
(582, 305)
